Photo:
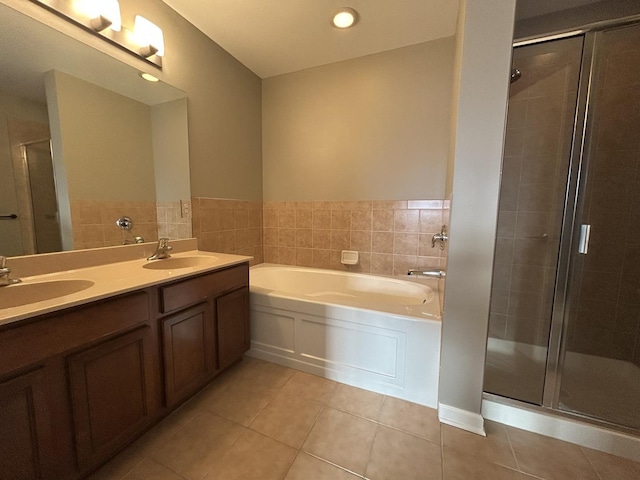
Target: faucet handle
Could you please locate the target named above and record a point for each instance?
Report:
(3, 261)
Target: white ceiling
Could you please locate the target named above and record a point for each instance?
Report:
(274, 37)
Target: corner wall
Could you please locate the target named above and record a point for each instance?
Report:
(485, 30)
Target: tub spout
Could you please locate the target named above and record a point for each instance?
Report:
(427, 273)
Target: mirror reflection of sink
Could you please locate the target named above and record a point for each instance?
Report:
(26, 293)
(179, 262)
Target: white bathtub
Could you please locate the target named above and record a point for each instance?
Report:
(377, 333)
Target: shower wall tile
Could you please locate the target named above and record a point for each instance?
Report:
(390, 236)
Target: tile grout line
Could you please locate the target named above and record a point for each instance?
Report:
(335, 465)
(590, 462)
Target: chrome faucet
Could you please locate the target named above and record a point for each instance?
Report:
(4, 274)
(427, 272)
(162, 250)
(441, 237)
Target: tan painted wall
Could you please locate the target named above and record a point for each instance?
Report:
(373, 128)
(106, 142)
(485, 31)
(225, 141)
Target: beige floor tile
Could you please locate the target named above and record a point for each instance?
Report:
(549, 458)
(398, 455)
(150, 470)
(411, 417)
(120, 465)
(241, 401)
(610, 467)
(161, 434)
(309, 387)
(494, 448)
(287, 419)
(254, 457)
(342, 439)
(196, 448)
(460, 466)
(264, 373)
(215, 389)
(357, 401)
(307, 467)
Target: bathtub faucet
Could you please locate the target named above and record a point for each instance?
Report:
(427, 273)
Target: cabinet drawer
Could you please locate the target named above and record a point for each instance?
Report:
(51, 335)
(194, 290)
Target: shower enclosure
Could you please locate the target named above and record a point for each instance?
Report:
(564, 329)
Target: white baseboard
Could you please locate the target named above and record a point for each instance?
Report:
(456, 417)
(580, 433)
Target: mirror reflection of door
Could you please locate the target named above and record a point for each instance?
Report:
(38, 165)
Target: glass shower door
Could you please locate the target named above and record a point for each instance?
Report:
(600, 374)
(540, 123)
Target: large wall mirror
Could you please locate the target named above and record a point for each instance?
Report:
(85, 141)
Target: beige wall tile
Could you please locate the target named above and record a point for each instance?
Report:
(406, 220)
(304, 218)
(382, 220)
(304, 238)
(382, 242)
(321, 219)
(321, 239)
(340, 239)
(340, 219)
(361, 219)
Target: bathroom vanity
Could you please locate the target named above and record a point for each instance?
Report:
(79, 382)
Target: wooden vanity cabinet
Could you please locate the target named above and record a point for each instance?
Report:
(76, 386)
(232, 313)
(26, 447)
(80, 384)
(209, 331)
(189, 350)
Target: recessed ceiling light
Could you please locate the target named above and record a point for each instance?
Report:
(150, 78)
(345, 17)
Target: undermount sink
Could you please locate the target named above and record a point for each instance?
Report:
(26, 293)
(179, 262)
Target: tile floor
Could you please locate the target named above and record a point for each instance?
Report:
(264, 421)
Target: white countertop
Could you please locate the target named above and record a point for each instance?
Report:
(112, 279)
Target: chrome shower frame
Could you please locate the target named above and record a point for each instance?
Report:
(573, 203)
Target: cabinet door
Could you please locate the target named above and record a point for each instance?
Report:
(232, 311)
(25, 430)
(189, 348)
(111, 388)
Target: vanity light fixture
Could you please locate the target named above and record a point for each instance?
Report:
(102, 18)
(345, 17)
(149, 37)
(104, 14)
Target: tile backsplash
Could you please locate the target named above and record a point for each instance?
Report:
(228, 226)
(94, 224)
(390, 236)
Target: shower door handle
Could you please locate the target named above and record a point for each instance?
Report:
(583, 243)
